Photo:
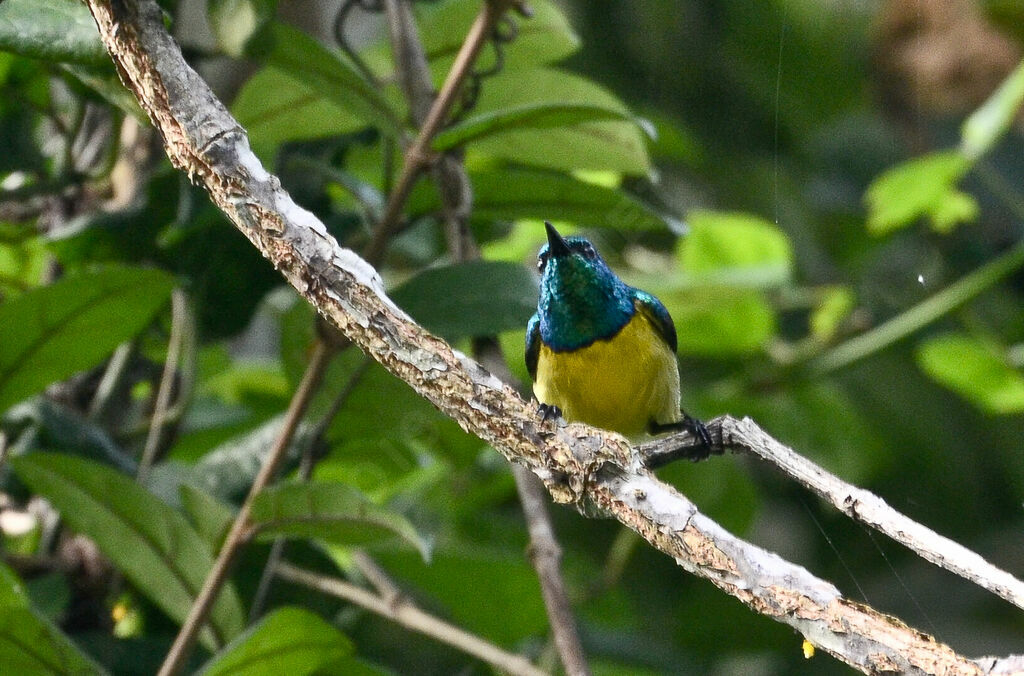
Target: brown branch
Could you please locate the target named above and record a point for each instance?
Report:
(577, 463)
(418, 155)
(456, 199)
(861, 505)
(403, 612)
(241, 527)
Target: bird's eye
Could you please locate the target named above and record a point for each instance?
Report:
(542, 260)
(589, 251)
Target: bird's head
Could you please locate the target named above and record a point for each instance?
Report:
(581, 299)
(567, 263)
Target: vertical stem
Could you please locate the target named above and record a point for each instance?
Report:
(179, 320)
(240, 529)
(456, 198)
(418, 154)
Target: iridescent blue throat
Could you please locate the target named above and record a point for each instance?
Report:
(581, 300)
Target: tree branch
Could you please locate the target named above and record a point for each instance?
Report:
(456, 198)
(403, 612)
(240, 528)
(861, 505)
(577, 463)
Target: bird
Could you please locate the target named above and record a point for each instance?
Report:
(600, 351)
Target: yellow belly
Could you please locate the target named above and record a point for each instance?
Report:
(621, 384)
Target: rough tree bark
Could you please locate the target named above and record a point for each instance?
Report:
(578, 464)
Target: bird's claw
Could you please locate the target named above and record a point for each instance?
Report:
(548, 412)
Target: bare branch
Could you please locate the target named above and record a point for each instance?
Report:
(418, 154)
(577, 463)
(456, 198)
(861, 505)
(180, 325)
(403, 612)
(240, 528)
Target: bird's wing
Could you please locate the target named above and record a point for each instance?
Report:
(651, 308)
(532, 345)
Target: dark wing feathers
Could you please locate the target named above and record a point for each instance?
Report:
(651, 308)
(533, 345)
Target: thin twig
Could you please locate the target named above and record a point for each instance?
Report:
(418, 155)
(377, 576)
(179, 326)
(747, 436)
(306, 466)
(112, 375)
(920, 315)
(4, 448)
(578, 464)
(456, 199)
(411, 617)
(240, 529)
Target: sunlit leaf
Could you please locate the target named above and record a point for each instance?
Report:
(331, 76)
(718, 322)
(275, 107)
(922, 187)
(149, 542)
(835, 305)
(617, 146)
(50, 333)
(55, 30)
(544, 38)
(974, 371)
(287, 641)
(534, 116)
(989, 122)
(521, 193)
(479, 298)
(332, 512)
(31, 644)
(237, 22)
(735, 249)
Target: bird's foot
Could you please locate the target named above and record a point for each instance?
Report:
(698, 451)
(548, 412)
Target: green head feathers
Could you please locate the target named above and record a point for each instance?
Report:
(581, 299)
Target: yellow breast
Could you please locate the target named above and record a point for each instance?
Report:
(620, 384)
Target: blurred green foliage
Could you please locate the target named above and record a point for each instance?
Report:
(844, 271)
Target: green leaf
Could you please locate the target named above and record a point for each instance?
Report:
(331, 76)
(974, 371)
(31, 644)
(514, 194)
(153, 545)
(54, 30)
(533, 116)
(275, 107)
(56, 426)
(616, 146)
(470, 584)
(22, 260)
(735, 249)
(835, 305)
(51, 333)
(544, 38)
(719, 322)
(228, 470)
(332, 512)
(922, 187)
(287, 641)
(235, 23)
(470, 299)
(988, 123)
(211, 517)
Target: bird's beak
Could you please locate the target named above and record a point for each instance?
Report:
(556, 245)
